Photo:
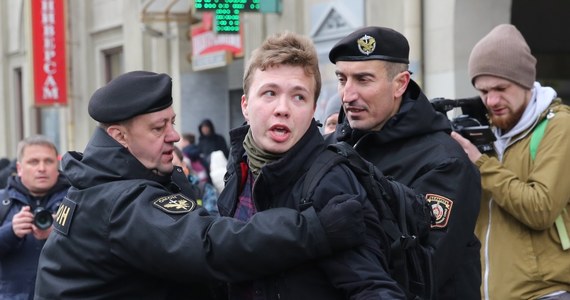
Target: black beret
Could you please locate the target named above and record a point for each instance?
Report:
(129, 95)
(372, 43)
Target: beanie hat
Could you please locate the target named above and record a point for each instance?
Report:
(333, 106)
(504, 53)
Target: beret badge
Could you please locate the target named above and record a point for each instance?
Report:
(366, 44)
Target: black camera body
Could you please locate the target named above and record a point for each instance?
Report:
(42, 218)
(472, 124)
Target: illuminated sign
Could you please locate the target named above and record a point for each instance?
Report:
(48, 37)
(205, 40)
(227, 12)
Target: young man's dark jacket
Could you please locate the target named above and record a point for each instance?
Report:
(415, 148)
(117, 239)
(359, 272)
(19, 256)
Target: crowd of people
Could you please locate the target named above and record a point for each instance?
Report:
(146, 213)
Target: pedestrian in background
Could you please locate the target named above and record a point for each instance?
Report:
(28, 202)
(331, 114)
(207, 196)
(210, 141)
(194, 158)
(526, 199)
(391, 123)
(8, 169)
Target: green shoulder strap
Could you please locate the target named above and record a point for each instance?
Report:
(537, 135)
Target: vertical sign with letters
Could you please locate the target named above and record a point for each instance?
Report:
(49, 52)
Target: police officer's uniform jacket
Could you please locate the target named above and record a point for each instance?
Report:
(124, 232)
(415, 148)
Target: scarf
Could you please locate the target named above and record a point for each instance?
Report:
(257, 157)
(540, 99)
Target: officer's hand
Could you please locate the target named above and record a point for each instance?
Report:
(22, 222)
(471, 150)
(343, 221)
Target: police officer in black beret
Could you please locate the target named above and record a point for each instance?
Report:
(128, 229)
(390, 122)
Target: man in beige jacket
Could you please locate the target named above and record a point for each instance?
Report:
(525, 208)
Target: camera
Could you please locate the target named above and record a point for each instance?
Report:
(472, 124)
(42, 218)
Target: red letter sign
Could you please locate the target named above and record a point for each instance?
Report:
(48, 31)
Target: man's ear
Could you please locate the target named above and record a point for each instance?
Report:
(19, 168)
(402, 80)
(119, 133)
(244, 107)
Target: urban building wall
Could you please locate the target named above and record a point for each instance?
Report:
(109, 37)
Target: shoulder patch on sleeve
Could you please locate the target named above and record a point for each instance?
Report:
(62, 220)
(441, 208)
(175, 204)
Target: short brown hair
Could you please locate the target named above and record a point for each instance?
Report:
(285, 48)
(38, 140)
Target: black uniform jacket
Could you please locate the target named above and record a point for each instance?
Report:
(415, 148)
(126, 233)
(359, 273)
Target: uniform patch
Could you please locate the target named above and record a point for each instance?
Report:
(366, 44)
(441, 208)
(64, 215)
(175, 204)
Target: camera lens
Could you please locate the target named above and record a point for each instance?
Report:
(42, 218)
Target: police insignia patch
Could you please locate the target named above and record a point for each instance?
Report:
(366, 44)
(65, 212)
(441, 208)
(175, 204)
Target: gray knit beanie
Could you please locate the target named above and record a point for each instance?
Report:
(504, 53)
(333, 106)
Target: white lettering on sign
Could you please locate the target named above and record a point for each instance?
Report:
(207, 40)
(50, 88)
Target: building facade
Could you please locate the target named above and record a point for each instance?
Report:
(105, 38)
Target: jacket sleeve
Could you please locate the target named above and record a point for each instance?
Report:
(196, 247)
(537, 200)
(361, 272)
(453, 187)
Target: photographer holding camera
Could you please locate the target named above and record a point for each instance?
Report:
(27, 205)
(525, 202)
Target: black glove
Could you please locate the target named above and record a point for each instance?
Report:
(343, 221)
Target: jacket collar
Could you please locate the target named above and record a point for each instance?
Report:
(105, 160)
(286, 170)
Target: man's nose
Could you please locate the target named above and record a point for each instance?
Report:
(492, 98)
(172, 136)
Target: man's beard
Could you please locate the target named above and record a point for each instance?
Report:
(507, 122)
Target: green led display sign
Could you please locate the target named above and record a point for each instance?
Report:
(227, 12)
